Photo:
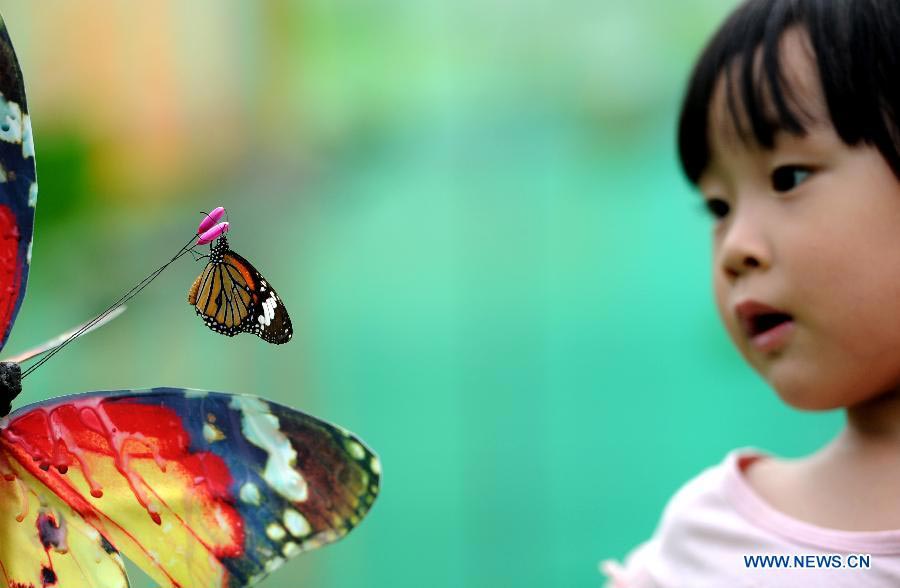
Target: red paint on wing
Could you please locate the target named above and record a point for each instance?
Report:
(59, 437)
(108, 428)
(10, 272)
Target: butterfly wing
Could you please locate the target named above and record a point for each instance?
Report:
(233, 297)
(18, 186)
(199, 489)
(266, 315)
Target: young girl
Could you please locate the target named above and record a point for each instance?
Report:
(790, 130)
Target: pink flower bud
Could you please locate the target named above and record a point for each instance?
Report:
(211, 219)
(213, 233)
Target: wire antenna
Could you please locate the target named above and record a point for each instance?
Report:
(134, 291)
(206, 232)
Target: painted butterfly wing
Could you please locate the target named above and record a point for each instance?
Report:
(18, 186)
(199, 489)
(233, 297)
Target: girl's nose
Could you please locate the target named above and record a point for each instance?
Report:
(744, 248)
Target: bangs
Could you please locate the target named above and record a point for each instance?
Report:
(853, 46)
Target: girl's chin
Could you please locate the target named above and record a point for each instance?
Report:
(803, 387)
(808, 402)
(811, 394)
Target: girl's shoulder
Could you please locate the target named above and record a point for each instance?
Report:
(699, 538)
(721, 519)
(715, 493)
(778, 482)
(832, 490)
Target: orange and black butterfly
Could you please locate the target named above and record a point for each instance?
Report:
(233, 297)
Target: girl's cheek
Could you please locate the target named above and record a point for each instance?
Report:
(720, 295)
(726, 316)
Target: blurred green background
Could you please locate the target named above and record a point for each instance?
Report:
(497, 276)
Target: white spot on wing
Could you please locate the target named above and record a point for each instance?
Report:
(261, 428)
(11, 123)
(27, 138)
(296, 523)
(276, 532)
(211, 433)
(250, 494)
(355, 449)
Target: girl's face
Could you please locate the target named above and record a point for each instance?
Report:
(806, 265)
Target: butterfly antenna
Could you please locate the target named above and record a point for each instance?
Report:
(56, 341)
(111, 308)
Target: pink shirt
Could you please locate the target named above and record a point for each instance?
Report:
(716, 522)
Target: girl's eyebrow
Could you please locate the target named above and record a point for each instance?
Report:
(781, 136)
(816, 136)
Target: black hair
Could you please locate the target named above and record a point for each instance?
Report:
(856, 47)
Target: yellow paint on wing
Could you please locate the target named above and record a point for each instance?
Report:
(179, 551)
(81, 561)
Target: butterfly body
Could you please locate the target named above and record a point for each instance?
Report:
(10, 385)
(232, 297)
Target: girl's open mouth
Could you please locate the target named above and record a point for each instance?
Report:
(768, 328)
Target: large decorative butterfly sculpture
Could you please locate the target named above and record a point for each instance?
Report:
(199, 489)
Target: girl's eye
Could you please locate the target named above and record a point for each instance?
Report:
(788, 177)
(717, 207)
